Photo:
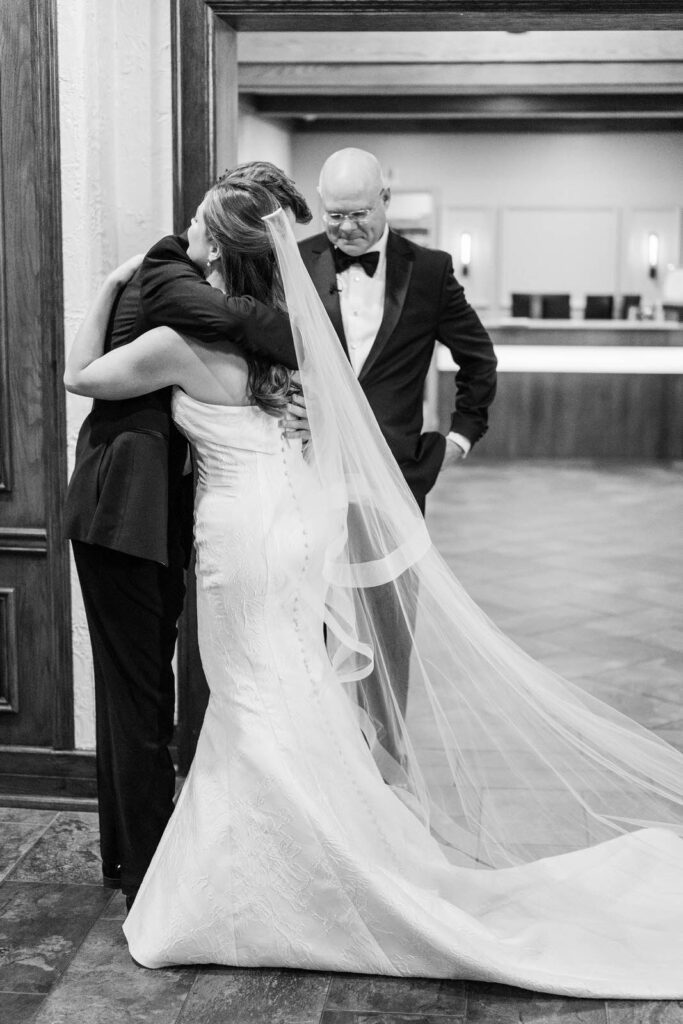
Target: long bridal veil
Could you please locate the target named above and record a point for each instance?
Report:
(502, 760)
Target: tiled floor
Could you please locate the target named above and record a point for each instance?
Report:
(582, 565)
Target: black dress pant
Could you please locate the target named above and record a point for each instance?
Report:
(132, 606)
(396, 626)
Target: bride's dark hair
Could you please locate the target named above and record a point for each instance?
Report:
(233, 212)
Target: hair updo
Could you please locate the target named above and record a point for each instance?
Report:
(233, 212)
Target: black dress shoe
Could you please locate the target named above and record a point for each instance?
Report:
(130, 900)
(111, 876)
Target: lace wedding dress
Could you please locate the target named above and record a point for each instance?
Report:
(288, 848)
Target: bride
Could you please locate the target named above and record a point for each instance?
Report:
(514, 829)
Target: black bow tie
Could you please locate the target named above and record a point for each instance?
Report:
(367, 260)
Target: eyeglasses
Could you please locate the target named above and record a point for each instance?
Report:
(338, 217)
(356, 216)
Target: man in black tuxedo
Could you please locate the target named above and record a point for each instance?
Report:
(390, 301)
(129, 517)
(390, 312)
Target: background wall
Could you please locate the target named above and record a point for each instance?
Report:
(261, 139)
(589, 199)
(117, 176)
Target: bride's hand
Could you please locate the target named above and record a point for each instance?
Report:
(123, 273)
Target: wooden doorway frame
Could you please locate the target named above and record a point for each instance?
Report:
(204, 58)
(204, 54)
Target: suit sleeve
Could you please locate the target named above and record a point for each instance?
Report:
(123, 320)
(461, 331)
(174, 294)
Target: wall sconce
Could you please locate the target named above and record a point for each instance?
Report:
(465, 252)
(652, 253)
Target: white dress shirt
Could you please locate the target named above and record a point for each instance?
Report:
(361, 301)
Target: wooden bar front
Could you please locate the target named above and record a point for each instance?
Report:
(540, 412)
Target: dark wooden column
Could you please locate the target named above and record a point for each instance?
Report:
(204, 57)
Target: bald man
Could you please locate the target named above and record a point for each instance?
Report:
(390, 301)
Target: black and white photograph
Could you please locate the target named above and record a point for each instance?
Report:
(341, 512)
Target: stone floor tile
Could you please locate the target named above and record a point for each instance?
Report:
(574, 664)
(67, 852)
(27, 816)
(643, 1012)
(601, 603)
(104, 986)
(671, 638)
(384, 1017)
(16, 839)
(672, 736)
(19, 1007)
(646, 620)
(535, 646)
(41, 927)
(223, 995)
(116, 908)
(537, 851)
(562, 824)
(630, 650)
(400, 995)
(503, 1004)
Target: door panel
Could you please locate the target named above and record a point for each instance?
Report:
(35, 665)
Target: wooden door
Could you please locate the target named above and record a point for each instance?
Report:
(36, 700)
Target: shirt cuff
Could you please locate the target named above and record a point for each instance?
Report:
(459, 440)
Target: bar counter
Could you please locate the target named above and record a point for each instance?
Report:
(581, 389)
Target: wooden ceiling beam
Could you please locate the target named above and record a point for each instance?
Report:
(448, 15)
(312, 108)
(310, 79)
(456, 47)
(463, 126)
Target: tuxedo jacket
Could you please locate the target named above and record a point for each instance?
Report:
(423, 304)
(127, 491)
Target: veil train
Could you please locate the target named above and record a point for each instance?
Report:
(502, 760)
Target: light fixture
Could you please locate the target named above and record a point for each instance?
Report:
(652, 253)
(465, 252)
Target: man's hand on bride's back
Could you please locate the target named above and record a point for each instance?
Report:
(295, 420)
(123, 273)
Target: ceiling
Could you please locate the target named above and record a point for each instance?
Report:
(465, 81)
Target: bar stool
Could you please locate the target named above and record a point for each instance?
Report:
(555, 307)
(521, 304)
(628, 302)
(599, 307)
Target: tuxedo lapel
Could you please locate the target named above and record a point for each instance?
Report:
(399, 268)
(324, 278)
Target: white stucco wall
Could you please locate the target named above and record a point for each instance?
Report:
(261, 139)
(116, 162)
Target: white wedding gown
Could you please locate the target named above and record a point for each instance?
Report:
(287, 849)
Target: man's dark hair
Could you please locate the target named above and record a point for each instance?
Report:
(278, 184)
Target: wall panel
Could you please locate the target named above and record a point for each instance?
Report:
(572, 250)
